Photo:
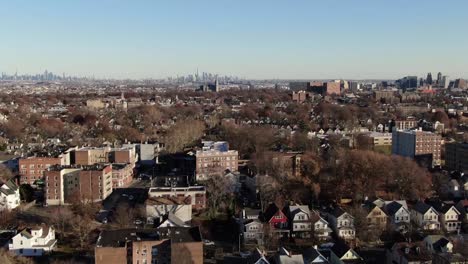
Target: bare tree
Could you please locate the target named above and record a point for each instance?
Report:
(82, 227)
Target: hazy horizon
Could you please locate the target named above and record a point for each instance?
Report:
(255, 40)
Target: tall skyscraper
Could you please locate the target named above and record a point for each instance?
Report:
(439, 79)
(429, 79)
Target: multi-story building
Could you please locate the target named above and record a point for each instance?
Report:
(90, 156)
(65, 184)
(404, 124)
(162, 245)
(122, 175)
(194, 195)
(414, 143)
(215, 158)
(380, 139)
(147, 152)
(456, 156)
(32, 168)
(325, 88)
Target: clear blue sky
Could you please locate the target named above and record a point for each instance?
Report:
(248, 38)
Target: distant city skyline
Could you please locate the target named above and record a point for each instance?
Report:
(274, 39)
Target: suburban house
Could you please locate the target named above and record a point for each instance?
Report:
(342, 223)
(321, 227)
(252, 230)
(376, 217)
(301, 225)
(286, 256)
(33, 241)
(341, 253)
(404, 253)
(276, 218)
(425, 216)
(9, 196)
(312, 255)
(398, 214)
(449, 217)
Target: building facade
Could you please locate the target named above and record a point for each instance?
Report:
(456, 156)
(413, 143)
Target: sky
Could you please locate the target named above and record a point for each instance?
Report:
(255, 39)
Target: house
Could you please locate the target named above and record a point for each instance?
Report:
(287, 257)
(301, 225)
(9, 195)
(342, 223)
(252, 230)
(425, 216)
(376, 217)
(321, 227)
(449, 218)
(341, 253)
(33, 241)
(404, 253)
(312, 255)
(398, 214)
(438, 244)
(276, 218)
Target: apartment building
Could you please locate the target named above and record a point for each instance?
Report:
(122, 175)
(380, 139)
(65, 184)
(162, 245)
(90, 156)
(215, 157)
(32, 168)
(414, 143)
(404, 124)
(456, 156)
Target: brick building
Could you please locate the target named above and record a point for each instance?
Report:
(162, 245)
(414, 143)
(64, 184)
(215, 157)
(32, 168)
(122, 175)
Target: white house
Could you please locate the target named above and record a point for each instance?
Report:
(398, 214)
(342, 223)
(252, 230)
(321, 227)
(450, 218)
(9, 196)
(300, 221)
(33, 241)
(425, 216)
(341, 253)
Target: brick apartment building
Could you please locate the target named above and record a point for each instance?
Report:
(325, 88)
(122, 175)
(215, 157)
(32, 168)
(414, 143)
(194, 195)
(64, 184)
(162, 245)
(90, 156)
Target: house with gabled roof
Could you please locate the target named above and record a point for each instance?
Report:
(449, 217)
(312, 255)
(276, 218)
(321, 228)
(9, 195)
(33, 241)
(398, 214)
(342, 223)
(425, 216)
(341, 253)
(376, 217)
(300, 223)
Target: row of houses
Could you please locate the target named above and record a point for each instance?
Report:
(300, 221)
